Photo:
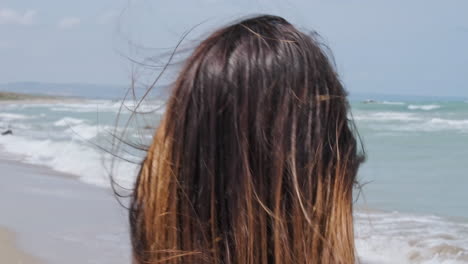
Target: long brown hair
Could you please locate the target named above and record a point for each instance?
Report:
(254, 160)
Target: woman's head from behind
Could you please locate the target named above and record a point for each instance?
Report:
(254, 160)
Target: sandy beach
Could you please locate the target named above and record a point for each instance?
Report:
(54, 218)
(10, 252)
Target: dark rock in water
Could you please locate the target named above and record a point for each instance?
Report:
(369, 101)
(8, 132)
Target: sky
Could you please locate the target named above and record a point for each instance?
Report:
(408, 47)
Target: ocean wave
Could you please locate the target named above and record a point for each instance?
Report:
(111, 106)
(424, 107)
(393, 103)
(84, 131)
(96, 106)
(71, 157)
(392, 237)
(65, 142)
(81, 109)
(78, 128)
(386, 116)
(449, 123)
(14, 126)
(11, 116)
(429, 125)
(68, 121)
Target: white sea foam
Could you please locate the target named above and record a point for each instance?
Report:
(109, 106)
(386, 116)
(384, 237)
(75, 109)
(393, 103)
(63, 144)
(83, 131)
(68, 121)
(424, 107)
(12, 116)
(72, 156)
(79, 128)
(439, 124)
(450, 122)
(428, 125)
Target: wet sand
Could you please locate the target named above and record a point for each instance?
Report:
(58, 219)
(9, 251)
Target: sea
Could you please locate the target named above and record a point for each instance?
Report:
(411, 202)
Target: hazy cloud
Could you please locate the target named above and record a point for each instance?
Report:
(107, 17)
(462, 28)
(10, 16)
(4, 44)
(69, 22)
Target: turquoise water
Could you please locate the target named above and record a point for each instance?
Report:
(417, 156)
(75, 137)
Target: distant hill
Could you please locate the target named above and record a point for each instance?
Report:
(95, 91)
(19, 96)
(99, 91)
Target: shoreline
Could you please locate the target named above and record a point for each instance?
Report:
(11, 253)
(50, 217)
